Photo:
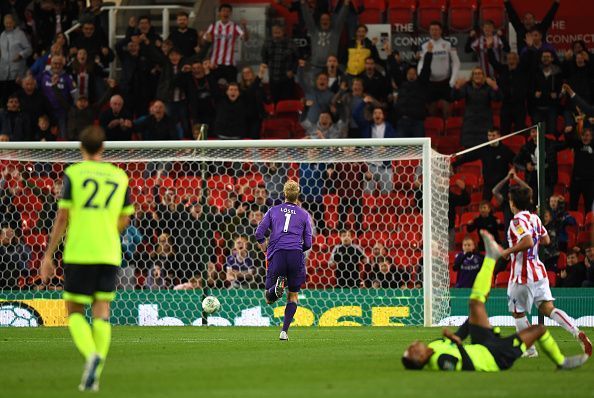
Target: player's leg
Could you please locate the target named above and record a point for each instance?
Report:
(482, 284)
(296, 276)
(539, 334)
(520, 301)
(101, 331)
(566, 322)
(275, 279)
(79, 286)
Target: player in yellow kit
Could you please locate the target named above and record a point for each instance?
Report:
(488, 352)
(93, 210)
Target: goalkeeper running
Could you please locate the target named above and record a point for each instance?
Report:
(488, 352)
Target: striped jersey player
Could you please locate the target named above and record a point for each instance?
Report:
(528, 282)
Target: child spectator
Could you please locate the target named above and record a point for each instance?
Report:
(386, 276)
(549, 254)
(574, 274)
(487, 221)
(562, 219)
(43, 131)
(467, 264)
(239, 266)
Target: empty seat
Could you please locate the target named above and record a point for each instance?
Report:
(493, 10)
(401, 11)
(462, 15)
(429, 11)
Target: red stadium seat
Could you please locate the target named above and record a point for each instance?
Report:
(502, 279)
(472, 180)
(458, 107)
(493, 10)
(589, 220)
(564, 179)
(552, 278)
(331, 206)
(583, 238)
(467, 218)
(221, 182)
(462, 15)
(277, 128)
(291, 107)
(475, 167)
(401, 11)
(434, 127)
(562, 261)
(448, 145)
(453, 126)
(373, 12)
(515, 142)
(429, 11)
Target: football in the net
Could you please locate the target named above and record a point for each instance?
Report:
(211, 304)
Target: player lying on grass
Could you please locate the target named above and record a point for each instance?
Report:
(290, 236)
(488, 352)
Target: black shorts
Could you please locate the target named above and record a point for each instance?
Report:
(85, 283)
(505, 350)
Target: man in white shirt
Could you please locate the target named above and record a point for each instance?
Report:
(445, 66)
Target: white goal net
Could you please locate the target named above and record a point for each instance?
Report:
(379, 210)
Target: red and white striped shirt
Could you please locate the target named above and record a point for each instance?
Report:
(526, 266)
(224, 37)
(479, 46)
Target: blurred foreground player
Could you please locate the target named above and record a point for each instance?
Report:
(290, 236)
(488, 352)
(95, 207)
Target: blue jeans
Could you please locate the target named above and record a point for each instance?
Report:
(408, 127)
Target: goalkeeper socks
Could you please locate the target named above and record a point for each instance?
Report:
(81, 333)
(290, 310)
(565, 321)
(482, 283)
(102, 337)
(548, 344)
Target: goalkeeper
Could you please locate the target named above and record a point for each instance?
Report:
(488, 352)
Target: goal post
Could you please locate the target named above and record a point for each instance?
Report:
(379, 207)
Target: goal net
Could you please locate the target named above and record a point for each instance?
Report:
(379, 211)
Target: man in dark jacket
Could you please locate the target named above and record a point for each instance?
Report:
(280, 55)
(412, 100)
(116, 121)
(94, 42)
(582, 178)
(546, 92)
(527, 160)
(513, 81)
(158, 126)
(138, 81)
(574, 274)
(230, 122)
(496, 158)
(200, 88)
(376, 126)
(374, 82)
(183, 37)
(529, 22)
(31, 101)
(14, 124)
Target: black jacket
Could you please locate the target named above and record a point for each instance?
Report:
(496, 161)
(230, 122)
(513, 84)
(412, 95)
(200, 95)
(156, 130)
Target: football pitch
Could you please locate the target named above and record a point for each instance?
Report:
(251, 362)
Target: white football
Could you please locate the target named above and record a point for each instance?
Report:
(211, 304)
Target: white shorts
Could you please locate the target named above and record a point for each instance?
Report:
(521, 297)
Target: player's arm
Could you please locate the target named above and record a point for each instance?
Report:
(123, 222)
(261, 231)
(48, 267)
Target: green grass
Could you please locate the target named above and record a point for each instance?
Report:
(251, 362)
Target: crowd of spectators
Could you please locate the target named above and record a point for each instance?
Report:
(187, 84)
